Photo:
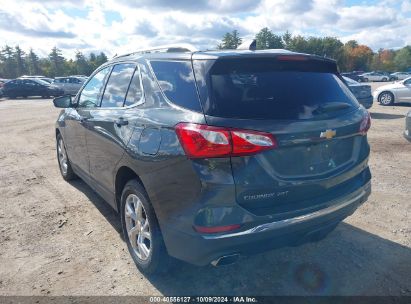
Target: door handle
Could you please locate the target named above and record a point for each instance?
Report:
(121, 122)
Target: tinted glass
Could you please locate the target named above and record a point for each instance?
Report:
(135, 92)
(349, 81)
(75, 80)
(91, 93)
(176, 80)
(270, 89)
(117, 85)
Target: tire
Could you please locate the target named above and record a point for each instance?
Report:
(153, 258)
(385, 79)
(64, 163)
(386, 98)
(365, 79)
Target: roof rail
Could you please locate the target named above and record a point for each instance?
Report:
(170, 48)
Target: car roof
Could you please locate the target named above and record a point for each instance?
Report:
(210, 54)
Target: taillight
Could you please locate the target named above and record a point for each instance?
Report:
(202, 141)
(365, 124)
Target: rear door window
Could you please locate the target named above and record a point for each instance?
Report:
(176, 80)
(267, 89)
(117, 85)
(135, 91)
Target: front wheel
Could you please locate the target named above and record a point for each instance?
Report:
(386, 98)
(142, 231)
(64, 163)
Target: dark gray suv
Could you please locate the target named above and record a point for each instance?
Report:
(211, 155)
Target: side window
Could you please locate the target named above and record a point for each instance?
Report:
(117, 85)
(408, 82)
(135, 92)
(91, 93)
(74, 80)
(176, 80)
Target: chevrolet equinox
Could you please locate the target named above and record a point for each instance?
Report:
(212, 155)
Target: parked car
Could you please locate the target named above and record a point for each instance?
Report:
(211, 155)
(361, 91)
(407, 132)
(355, 75)
(44, 78)
(399, 91)
(374, 76)
(70, 85)
(30, 87)
(400, 75)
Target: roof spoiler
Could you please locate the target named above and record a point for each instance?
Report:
(250, 44)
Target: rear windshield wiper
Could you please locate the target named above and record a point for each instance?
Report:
(332, 106)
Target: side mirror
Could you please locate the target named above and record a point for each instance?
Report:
(63, 102)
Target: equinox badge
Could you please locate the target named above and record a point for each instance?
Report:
(328, 134)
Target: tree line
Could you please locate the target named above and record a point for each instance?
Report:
(350, 56)
(14, 62)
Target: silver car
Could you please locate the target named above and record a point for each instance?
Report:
(374, 76)
(70, 85)
(400, 75)
(399, 91)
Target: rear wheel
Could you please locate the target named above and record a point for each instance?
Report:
(142, 231)
(386, 98)
(64, 163)
(365, 79)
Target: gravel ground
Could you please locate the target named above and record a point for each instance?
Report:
(60, 238)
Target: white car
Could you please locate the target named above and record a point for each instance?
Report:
(374, 76)
(400, 75)
(399, 91)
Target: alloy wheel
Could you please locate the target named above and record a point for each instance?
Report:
(62, 155)
(386, 98)
(138, 227)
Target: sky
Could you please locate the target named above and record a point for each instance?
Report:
(121, 26)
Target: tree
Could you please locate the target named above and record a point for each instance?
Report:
(402, 59)
(20, 63)
(230, 40)
(267, 40)
(8, 67)
(81, 64)
(56, 63)
(33, 64)
(287, 39)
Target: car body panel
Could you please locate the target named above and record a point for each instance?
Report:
(188, 192)
(400, 89)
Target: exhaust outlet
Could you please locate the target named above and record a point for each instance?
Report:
(226, 260)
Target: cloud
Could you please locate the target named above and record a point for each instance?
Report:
(117, 26)
(12, 23)
(222, 6)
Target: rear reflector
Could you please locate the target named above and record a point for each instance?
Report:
(216, 229)
(365, 124)
(203, 141)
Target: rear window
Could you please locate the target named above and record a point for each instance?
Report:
(177, 82)
(269, 89)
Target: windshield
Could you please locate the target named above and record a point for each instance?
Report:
(261, 89)
(42, 82)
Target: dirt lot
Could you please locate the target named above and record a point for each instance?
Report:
(60, 238)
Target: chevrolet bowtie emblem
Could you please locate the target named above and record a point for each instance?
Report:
(328, 134)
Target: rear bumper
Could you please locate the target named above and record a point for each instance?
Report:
(200, 249)
(366, 102)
